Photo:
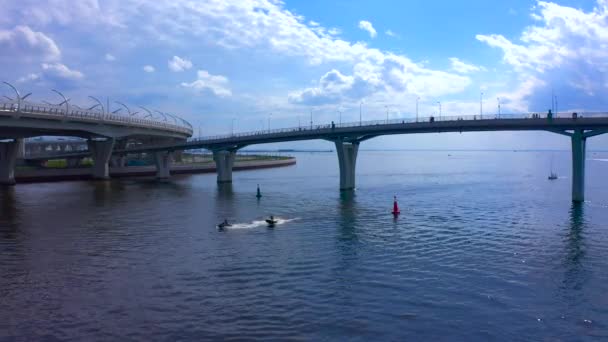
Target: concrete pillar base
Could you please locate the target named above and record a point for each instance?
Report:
(163, 164)
(101, 150)
(578, 166)
(223, 163)
(8, 157)
(347, 158)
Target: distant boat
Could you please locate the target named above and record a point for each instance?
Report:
(552, 174)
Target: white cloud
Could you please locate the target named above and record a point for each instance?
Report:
(567, 49)
(177, 64)
(464, 68)
(29, 78)
(394, 75)
(367, 26)
(23, 42)
(217, 84)
(390, 33)
(110, 58)
(149, 68)
(61, 71)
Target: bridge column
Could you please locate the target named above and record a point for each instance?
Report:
(163, 164)
(578, 166)
(101, 150)
(223, 163)
(8, 157)
(347, 158)
(119, 160)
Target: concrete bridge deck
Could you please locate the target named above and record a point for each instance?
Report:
(348, 136)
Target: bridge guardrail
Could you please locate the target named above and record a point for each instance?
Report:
(409, 120)
(59, 112)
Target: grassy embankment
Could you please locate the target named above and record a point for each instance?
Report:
(186, 159)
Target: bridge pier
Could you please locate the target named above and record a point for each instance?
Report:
(578, 165)
(347, 158)
(101, 150)
(163, 164)
(119, 160)
(8, 157)
(224, 160)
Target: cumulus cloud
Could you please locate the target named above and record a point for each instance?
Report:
(58, 70)
(110, 58)
(565, 50)
(177, 64)
(149, 68)
(217, 84)
(464, 68)
(367, 26)
(393, 74)
(23, 42)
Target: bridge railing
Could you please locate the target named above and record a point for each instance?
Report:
(409, 120)
(59, 112)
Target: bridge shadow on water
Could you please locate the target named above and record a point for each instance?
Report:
(575, 274)
(347, 207)
(10, 217)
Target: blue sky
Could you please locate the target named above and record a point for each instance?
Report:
(214, 62)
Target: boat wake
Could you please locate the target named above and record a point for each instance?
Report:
(259, 223)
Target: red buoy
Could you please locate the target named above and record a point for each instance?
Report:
(395, 207)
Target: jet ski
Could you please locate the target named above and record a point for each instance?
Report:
(223, 225)
(271, 221)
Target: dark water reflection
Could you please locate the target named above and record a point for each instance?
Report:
(481, 251)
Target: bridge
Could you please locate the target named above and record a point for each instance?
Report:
(348, 136)
(104, 131)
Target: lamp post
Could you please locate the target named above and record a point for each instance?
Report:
(311, 118)
(439, 103)
(340, 116)
(124, 105)
(360, 110)
(386, 113)
(103, 111)
(417, 99)
(147, 111)
(232, 127)
(498, 101)
(481, 105)
(19, 98)
(269, 116)
(67, 105)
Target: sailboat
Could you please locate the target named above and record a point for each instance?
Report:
(552, 175)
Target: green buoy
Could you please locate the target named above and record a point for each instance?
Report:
(259, 194)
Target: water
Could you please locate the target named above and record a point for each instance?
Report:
(486, 248)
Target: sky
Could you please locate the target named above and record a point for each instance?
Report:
(246, 65)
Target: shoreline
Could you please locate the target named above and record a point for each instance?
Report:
(57, 175)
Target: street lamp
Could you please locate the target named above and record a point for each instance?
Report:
(360, 110)
(147, 111)
(66, 101)
(19, 98)
(311, 118)
(127, 108)
(481, 105)
(386, 113)
(417, 99)
(340, 113)
(232, 127)
(103, 111)
(498, 100)
(269, 116)
(439, 103)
